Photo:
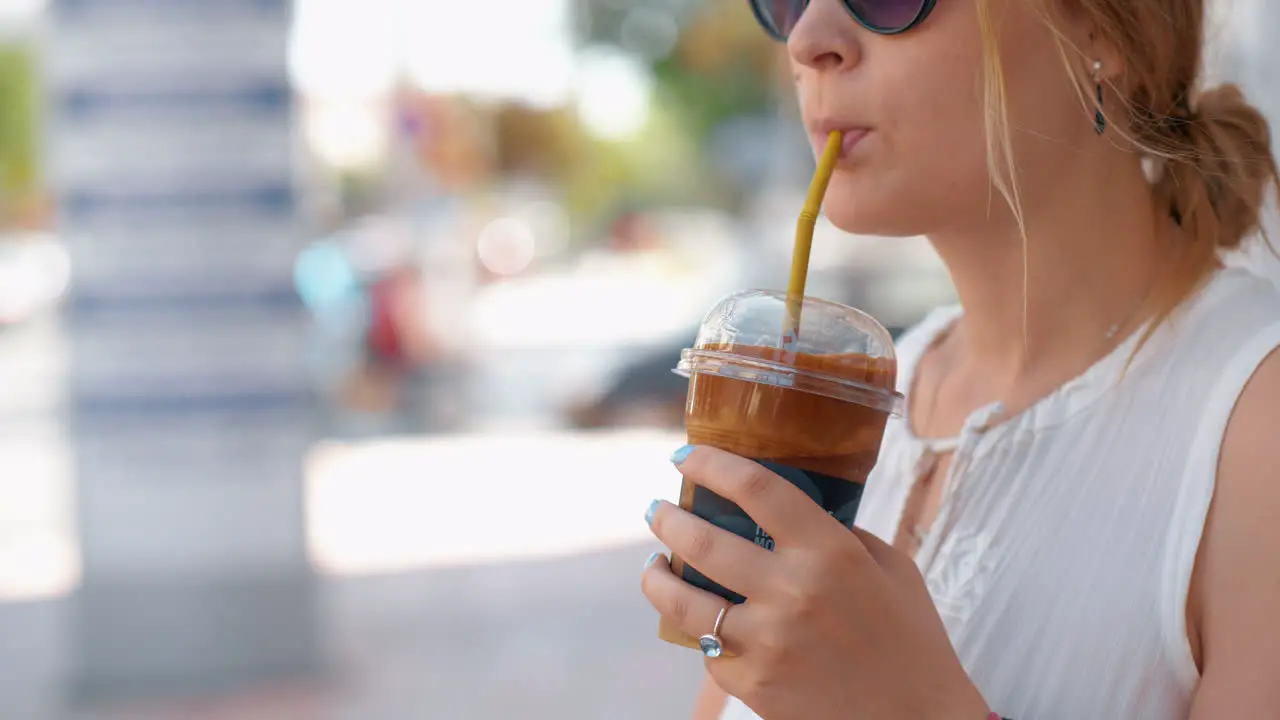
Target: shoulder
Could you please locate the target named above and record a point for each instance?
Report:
(1236, 583)
(1244, 517)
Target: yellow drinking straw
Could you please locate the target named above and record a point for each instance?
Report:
(804, 236)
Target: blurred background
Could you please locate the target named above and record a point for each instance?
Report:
(335, 340)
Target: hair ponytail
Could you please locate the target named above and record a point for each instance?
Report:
(1219, 171)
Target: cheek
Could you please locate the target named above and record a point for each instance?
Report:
(1050, 124)
(928, 160)
(1043, 96)
(942, 131)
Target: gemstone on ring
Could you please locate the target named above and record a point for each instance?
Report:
(711, 646)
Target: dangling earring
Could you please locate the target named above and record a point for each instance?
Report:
(1099, 119)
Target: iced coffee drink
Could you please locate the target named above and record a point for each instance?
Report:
(811, 408)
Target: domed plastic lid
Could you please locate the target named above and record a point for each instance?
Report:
(841, 352)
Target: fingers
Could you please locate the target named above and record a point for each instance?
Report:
(896, 565)
(782, 509)
(738, 564)
(691, 610)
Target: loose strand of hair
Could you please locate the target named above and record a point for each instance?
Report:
(1000, 157)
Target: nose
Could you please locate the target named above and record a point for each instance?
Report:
(825, 37)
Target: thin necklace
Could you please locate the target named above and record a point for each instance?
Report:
(1115, 329)
(1109, 336)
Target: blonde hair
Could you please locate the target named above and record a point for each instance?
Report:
(1214, 162)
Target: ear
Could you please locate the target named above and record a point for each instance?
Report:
(1100, 49)
(1080, 28)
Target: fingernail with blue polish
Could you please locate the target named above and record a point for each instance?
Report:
(653, 508)
(652, 559)
(682, 454)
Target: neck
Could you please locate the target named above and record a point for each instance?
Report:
(1092, 255)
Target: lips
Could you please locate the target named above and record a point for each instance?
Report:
(853, 136)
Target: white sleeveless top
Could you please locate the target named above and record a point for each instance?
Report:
(1062, 554)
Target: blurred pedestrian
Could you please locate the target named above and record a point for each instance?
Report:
(396, 348)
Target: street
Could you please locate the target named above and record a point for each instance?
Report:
(496, 641)
(480, 576)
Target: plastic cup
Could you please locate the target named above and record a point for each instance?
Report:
(813, 411)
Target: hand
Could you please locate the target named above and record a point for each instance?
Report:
(837, 624)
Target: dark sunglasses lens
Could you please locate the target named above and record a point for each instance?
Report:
(887, 15)
(778, 16)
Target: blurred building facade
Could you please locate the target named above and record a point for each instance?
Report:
(172, 152)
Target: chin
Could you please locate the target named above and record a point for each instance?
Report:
(872, 209)
(872, 214)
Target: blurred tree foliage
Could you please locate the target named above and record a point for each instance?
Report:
(19, 151)
(723, 66)
(710, 62)
(720, 65)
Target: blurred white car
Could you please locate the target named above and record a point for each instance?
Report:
(544, 343)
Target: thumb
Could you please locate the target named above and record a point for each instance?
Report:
(881, 551)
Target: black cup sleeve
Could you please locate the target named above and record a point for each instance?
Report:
(840, 498)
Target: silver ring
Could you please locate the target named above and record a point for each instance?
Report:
(711, 645)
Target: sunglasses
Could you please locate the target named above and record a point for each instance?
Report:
(884, 17)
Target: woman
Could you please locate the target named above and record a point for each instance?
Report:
(1086, 477)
